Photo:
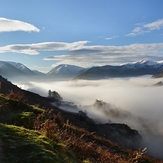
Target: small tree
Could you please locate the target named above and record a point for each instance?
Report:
(49, 93)
(54, 94)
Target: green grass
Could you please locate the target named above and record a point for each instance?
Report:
(16, 112)
(27, 146)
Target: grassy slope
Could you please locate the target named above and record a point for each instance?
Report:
(53, 139)
(23, 144)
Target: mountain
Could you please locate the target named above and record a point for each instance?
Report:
(22, 67)
(8, 70)
(65, 71)
(126, 70)
(14, 69)
(17, 70)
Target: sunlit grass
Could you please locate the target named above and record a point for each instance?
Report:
(24, 145)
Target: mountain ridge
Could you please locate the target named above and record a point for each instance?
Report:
(14, 70)
(65, 71)
(22, 67)
(126, 70)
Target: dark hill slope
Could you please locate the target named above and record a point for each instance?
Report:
(7, 87)
(158, 75)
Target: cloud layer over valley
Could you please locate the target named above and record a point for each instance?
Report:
(133, 101)
(133, 94)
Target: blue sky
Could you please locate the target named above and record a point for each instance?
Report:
(42, 34)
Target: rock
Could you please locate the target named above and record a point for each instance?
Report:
(121, 134)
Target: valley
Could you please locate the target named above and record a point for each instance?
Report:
(121, 110)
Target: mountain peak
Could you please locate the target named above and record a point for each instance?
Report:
(146, 62)
(65, 71)
(14, 69)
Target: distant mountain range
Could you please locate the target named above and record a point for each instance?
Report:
(126, 70)
(15, 70)
(65, 71)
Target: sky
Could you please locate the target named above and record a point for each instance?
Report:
(43, 34)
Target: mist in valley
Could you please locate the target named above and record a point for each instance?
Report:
(136, 102)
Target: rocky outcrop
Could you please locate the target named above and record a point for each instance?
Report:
(160, 83)
(121, 134)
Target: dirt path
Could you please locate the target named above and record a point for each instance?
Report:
(1, 152)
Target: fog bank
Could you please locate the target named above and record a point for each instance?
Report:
(137, 95)
(136, 101)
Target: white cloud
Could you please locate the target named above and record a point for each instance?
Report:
(145, 28)
(110, 38)
(9, 25)
(102, 55)
(156, 25)
(33, 49)
(80, 54)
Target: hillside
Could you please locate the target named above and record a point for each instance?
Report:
(20, 142)
(29, 133)
(158, 75)
(7, 87)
